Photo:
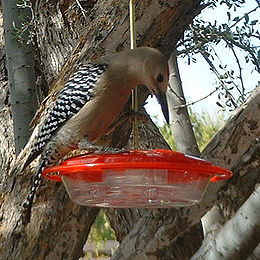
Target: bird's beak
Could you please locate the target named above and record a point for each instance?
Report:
(162, 99)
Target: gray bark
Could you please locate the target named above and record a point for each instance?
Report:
(213, 220)
(179, 117)
(256, 254)
(242, 185)
(238, 238)
(21, 74)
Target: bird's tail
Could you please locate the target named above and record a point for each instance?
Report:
(27, 206)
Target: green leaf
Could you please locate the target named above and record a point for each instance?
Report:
(254, 22)
(229, 16)
(218, 104)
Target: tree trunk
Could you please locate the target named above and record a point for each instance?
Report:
(21, 74)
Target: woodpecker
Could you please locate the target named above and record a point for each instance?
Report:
(91, 101)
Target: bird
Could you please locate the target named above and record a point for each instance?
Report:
(90, 102)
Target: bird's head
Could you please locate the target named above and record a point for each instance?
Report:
(156, 76)
(141, 66)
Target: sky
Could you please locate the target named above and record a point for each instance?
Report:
(198, 80)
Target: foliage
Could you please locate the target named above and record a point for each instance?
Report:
(239, 34)
(166, 132)
(23, 29)
(101, 229)
(204, 127)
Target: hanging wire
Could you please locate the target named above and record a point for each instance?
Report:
(134, 91)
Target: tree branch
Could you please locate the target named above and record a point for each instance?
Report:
(196, 101)
(242, 93)
(238, 238)
(180, 122)
(242, 17)
(215, 71)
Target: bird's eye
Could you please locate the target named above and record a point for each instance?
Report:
(160, 77)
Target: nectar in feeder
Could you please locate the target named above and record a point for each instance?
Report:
(139, 178)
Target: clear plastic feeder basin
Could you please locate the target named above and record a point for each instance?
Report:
(139, 178)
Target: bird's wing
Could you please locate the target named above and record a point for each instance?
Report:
(75, 94)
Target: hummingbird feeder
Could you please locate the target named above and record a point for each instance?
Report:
(136, 178)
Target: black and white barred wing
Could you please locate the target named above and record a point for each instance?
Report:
(75, 94)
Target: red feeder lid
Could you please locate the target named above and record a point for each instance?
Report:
(177, 164)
